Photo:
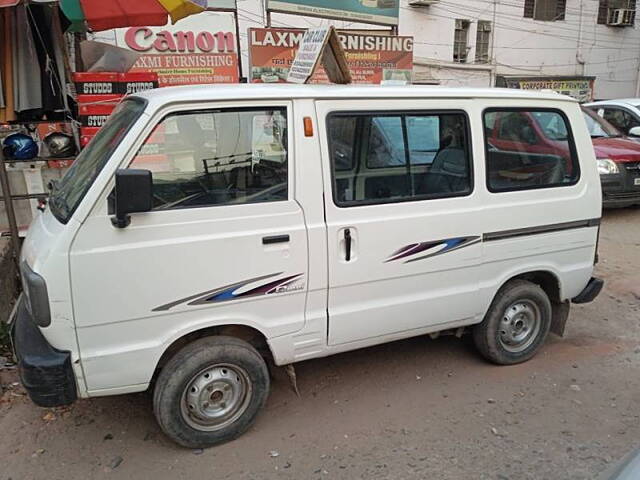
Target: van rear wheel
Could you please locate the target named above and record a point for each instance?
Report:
(210, 392)
(516, 325)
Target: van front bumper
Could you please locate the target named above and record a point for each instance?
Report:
(46, 373)
(620, 189)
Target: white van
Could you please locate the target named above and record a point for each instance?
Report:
(208, 230)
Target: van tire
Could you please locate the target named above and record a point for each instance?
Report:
(235, 374)
(516, 324)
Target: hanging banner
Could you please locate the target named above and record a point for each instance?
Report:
(198, 49)
(381, 12)
(371, 58)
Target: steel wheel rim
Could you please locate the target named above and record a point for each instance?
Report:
(216, 397)
(519, 326)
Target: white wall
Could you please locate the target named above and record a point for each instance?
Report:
(522, 46)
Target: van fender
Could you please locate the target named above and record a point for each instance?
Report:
(491, 290)
(182, 336)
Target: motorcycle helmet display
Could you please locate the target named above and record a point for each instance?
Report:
(19, 146)
(60, 145)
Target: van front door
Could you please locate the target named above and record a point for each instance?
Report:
(224, 244)
(402, 218)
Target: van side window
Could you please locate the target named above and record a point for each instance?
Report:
(395, 157)
(529, 148)
(217, 157)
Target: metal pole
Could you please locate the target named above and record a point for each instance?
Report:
(492, 59)
(237, 20)
(8, 205)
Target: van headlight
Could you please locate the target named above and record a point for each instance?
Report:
(36, 296)
(607, 166)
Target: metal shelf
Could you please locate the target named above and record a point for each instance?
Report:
(39, 159)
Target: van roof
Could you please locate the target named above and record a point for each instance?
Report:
(191, 93)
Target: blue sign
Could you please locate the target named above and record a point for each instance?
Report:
(381, 12)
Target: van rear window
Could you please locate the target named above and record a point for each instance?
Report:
(528, 149)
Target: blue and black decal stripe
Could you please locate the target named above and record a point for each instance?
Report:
(230, 292)
(409, 253)
(443, 246)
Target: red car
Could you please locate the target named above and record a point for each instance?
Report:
(542, 132)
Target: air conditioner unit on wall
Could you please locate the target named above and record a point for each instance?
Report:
(621, 17)
(422, 3)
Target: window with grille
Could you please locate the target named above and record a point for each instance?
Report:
(607, 7)
(483, 37)
(460, 41)
(545, 10)
(209, 158)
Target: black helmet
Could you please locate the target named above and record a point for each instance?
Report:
(60, 145)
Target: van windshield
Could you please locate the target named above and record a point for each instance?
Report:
(68, 193)
(598, 127)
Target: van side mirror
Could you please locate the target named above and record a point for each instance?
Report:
(634, 132)
(134, 193)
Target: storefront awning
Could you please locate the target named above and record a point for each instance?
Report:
(98, 15)
(13, 3)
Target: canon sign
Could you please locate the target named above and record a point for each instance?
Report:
(143, 39)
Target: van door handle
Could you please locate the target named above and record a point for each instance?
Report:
(275, 239)
(347, 244)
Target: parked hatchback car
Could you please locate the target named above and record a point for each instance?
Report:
(618, 160)
(624, 114)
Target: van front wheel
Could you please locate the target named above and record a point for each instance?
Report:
(210, 392)
(516, 325)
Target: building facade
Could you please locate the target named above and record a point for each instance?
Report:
(492, 42)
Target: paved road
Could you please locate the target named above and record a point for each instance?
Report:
(415, 409)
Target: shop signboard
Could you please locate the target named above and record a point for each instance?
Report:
(308, 55)
(381, 12)
(580, 88)
(198, 49)
(371, 58)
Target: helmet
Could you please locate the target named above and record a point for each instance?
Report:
(60, 145)
(19, 146)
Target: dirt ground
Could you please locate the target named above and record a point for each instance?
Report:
(414, 409)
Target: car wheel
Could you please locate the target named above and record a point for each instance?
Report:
(516, 325)
(210, 392)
